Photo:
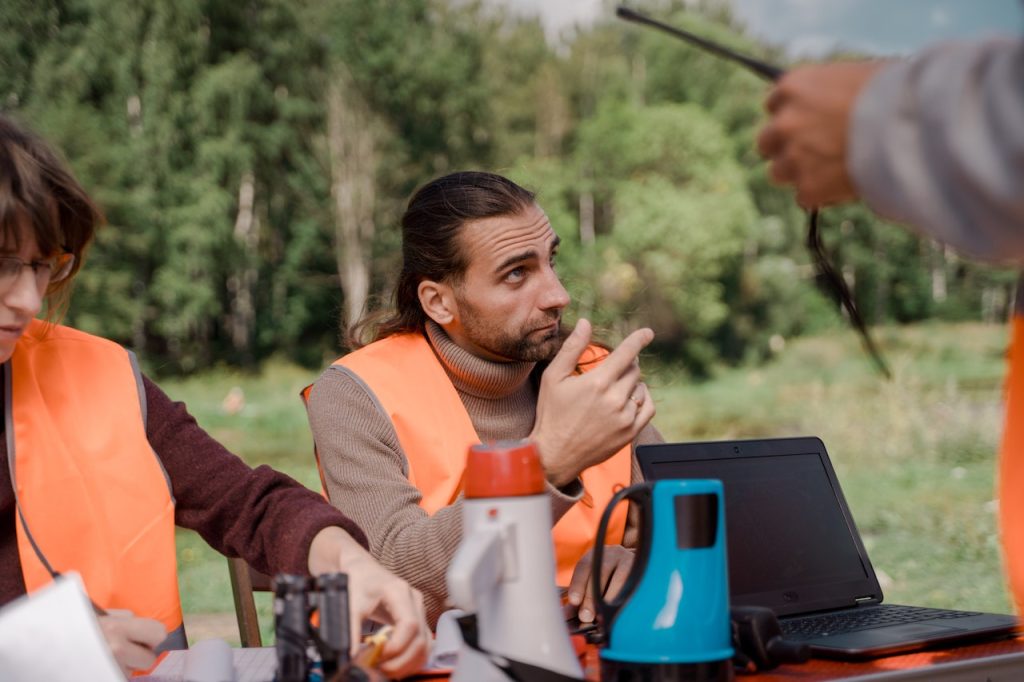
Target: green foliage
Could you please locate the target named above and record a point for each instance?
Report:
(675, 210)
(201, 128)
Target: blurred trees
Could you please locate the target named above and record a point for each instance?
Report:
(253, 158)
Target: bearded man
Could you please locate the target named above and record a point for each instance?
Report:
(474, 352)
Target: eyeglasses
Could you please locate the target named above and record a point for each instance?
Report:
(47, 271)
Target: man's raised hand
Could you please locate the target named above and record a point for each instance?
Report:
(583, 419)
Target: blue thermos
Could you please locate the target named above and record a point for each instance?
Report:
(670, 620)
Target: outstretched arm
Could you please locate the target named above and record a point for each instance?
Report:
(935, 141)
(938, 142)
(278, 526)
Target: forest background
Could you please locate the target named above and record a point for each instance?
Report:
(253, 158)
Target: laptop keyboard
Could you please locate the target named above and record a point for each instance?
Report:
(812, 627)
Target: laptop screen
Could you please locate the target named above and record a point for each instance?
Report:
(791, 541)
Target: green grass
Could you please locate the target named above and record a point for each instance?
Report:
(271, 428)
(915, 455)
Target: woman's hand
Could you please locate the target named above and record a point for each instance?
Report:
(375, 593)
(132, 640)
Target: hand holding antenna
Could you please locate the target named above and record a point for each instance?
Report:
(805, 140)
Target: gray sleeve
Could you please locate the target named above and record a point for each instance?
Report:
(366, 475)
(937, 141)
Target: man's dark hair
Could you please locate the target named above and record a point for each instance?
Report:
(431, 250)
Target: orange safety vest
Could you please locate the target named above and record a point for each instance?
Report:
(91, 494)
(1011, 460)
(435, 433)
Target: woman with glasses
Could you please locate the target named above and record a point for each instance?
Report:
(98, 465)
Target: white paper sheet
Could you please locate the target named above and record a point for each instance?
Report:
(53, 635)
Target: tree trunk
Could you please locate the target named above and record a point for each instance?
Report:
(242, 282)
(552, 113)
(587, 231)
(353, 161)
(638, 67)
(939, 290)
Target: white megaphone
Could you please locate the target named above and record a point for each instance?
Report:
(504, 570)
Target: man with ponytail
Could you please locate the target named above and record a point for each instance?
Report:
(474, 350)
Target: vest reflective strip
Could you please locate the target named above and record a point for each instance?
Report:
(434, 430)
(46, 421)
(175, 639)
(9, 437)
(1011, 459)
(144, 408)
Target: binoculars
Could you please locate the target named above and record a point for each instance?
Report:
(311, 625)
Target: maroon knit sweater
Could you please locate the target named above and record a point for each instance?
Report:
(259, 514)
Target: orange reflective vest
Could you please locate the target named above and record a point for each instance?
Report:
(1011, 460)
(91, 494)
(435, 433)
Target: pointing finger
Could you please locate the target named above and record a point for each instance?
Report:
(564, 363)
(625, 355)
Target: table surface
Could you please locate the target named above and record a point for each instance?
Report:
(820, 669)
(256, 665)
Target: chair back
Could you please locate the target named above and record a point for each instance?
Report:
(244, 581)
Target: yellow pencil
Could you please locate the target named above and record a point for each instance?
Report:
(373, 644)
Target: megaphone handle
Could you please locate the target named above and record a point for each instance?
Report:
(607, 610)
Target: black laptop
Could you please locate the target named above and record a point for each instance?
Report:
(793, 547)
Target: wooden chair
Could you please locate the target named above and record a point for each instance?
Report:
(244, 581)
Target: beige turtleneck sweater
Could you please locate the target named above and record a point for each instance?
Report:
(366, 470)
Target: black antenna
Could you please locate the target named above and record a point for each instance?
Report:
(762, 69)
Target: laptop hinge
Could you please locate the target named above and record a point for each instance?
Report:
(864, 600)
